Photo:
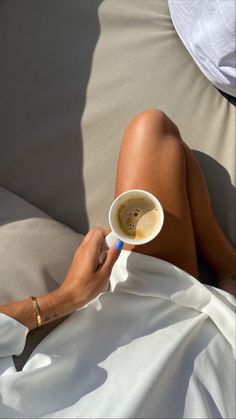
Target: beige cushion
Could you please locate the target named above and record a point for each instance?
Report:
(35, 254)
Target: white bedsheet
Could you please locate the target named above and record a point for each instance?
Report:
(159, 345)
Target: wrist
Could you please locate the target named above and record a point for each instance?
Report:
(69, 298)
(54, 305)
(65, 300)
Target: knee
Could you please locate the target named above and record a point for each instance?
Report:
(150, 120)
(152, 115)
(153, 122)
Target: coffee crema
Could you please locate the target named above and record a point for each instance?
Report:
(138, 217)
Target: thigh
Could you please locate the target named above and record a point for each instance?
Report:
(152, 158)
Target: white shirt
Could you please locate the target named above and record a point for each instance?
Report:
(207, 28)
(160, 344)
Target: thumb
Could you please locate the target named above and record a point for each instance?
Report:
(112, 256)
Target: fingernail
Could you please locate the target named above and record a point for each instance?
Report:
(119, 245)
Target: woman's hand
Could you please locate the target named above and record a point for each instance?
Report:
(86, 278)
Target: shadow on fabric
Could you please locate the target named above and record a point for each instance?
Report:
(46, 58)
(223, 199)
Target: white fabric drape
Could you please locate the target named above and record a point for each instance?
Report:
(158, 345)
(208, 30)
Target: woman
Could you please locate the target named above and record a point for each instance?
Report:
(153, 157)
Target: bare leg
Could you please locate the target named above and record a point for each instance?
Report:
(211, 242)
(154, 157)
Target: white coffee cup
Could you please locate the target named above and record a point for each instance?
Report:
(114, 221)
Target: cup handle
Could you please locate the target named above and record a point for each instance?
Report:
(109, 241)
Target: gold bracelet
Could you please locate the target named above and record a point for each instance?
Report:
(37, 311)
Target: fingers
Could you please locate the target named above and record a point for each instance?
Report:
(90, 249)
(112, 256)
(104, 230)
(93, 241)
(96, 234)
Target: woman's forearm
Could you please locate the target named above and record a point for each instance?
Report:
(52, 306)
(22, 311)
(85, 279)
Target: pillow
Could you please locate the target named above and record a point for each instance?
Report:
(35, 254)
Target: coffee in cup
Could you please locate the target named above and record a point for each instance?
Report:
(136, 217)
